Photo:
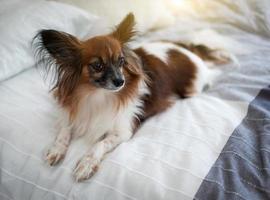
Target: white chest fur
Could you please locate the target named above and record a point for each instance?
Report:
(98, 113)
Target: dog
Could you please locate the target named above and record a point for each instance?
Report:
(105, 89)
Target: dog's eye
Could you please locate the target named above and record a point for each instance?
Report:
(97, 66)
(122, 61)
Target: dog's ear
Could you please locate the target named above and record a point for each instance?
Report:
(60, 53)
(124, 31)
(63, 47)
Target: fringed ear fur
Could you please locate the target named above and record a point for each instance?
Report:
(59, 53)
(134, 64)
(124, 31)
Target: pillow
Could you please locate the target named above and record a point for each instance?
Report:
(21, 20)
(150, 14)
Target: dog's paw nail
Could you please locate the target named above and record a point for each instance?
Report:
(54, 155)
(85, 169)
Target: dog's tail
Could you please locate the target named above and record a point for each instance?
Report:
(209, 55)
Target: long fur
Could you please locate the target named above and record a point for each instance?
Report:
(64, 65)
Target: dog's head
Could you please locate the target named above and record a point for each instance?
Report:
(101, 61)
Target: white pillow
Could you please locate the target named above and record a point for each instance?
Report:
(150, 14)
(21, 20)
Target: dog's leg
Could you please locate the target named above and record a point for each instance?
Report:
(59, 148)
(89, 163)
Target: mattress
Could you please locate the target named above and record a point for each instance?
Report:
(211, 146)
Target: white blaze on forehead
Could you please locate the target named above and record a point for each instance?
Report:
(109, 49)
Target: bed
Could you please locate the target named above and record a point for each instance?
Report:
(212, 146)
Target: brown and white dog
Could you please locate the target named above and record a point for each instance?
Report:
(105, 89)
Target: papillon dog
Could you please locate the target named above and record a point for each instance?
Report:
(105, 89)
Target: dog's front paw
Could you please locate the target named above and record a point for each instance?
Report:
(86, 168)
(55, 154)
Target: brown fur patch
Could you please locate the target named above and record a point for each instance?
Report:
(130, 89)
(166, 80)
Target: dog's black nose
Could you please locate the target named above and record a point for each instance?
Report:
(118, 82)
